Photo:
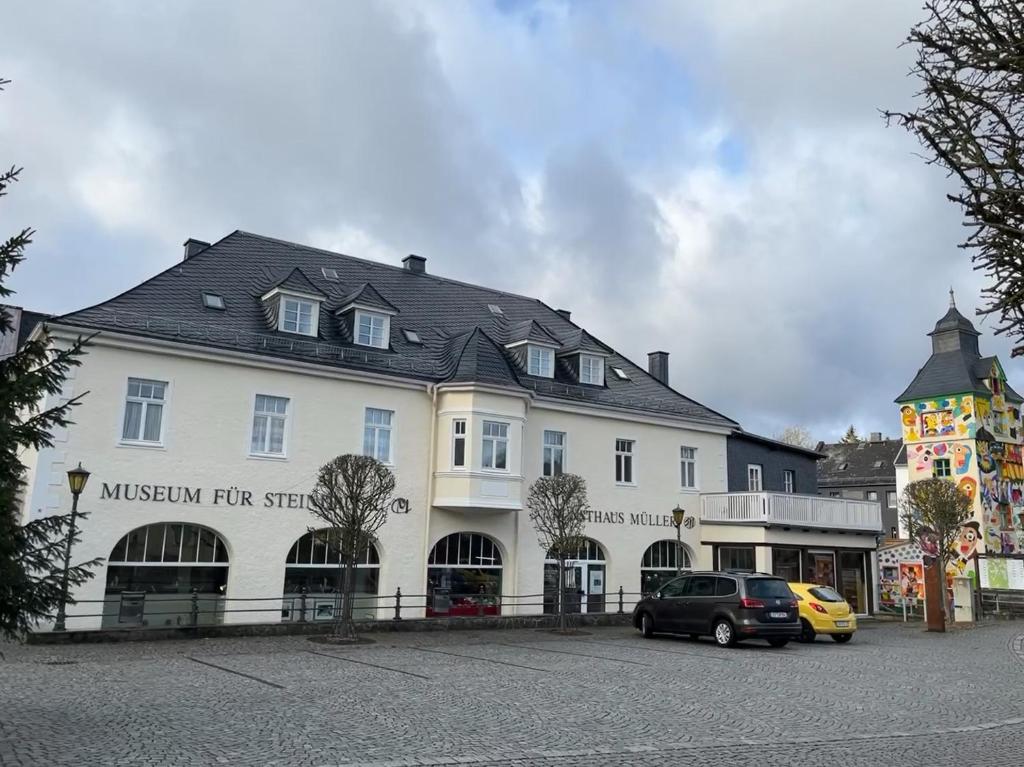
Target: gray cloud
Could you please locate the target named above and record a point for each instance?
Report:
(570, 151)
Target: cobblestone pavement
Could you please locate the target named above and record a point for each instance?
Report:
(893, 696)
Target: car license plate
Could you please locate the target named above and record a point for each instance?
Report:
(778, 615)
(842, 624)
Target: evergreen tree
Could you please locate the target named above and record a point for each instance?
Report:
(851, 437)
(31, 555)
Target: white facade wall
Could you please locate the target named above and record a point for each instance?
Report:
(205, 446)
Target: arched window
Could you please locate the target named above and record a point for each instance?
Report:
(464, 576)
(585, 586)
(153, 571)
(313, 568)
(661, 562)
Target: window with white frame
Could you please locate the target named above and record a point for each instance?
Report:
(494, 450)
(872, 495)
(554, 453)
(377, 434)
(890, 499)
(754, 484)
(268, 425)
(789, 480)
(540, 361)
(591, 370)
(624, 461)
(688, 468)
(372, 329)
(459, 442)
(144, 411)
(298, 316)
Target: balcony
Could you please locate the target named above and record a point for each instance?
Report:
(790, 510)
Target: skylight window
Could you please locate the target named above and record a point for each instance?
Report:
(495, 309)
(329, 274)
(878, 464)
(412, 336)
(843, 466)
(620, 374)
(213, 301)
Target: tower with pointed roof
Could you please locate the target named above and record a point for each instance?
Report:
(962, 421)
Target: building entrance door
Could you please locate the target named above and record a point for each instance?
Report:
(584, 586)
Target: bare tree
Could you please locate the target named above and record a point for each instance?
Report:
(934, 511)
(352, 496)
(558, 509)
(971, 122)
(797, 436)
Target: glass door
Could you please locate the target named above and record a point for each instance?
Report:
(821, 568)
(853, 575)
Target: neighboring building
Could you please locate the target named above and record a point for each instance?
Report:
(218, 387)
(757, 464)
(23, 322)
(961, 421)
(863, 471)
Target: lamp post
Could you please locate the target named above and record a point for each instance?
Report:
(677, 520)
(77, 478)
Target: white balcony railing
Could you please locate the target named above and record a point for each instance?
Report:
(791, 509)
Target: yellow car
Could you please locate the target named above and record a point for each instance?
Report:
(823, 611)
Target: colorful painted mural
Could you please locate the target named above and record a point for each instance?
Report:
(945, 417)
(1001, 495)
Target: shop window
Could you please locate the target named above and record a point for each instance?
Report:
(660, 563)
(853, 577)
(464, 576)
(786, 564)
(313, 567)
(153, 570)
(740, 558)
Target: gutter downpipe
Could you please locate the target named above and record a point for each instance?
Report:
(431, 468)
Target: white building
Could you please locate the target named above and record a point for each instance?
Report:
(217, 388)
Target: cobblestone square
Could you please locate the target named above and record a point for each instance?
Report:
(895, 695)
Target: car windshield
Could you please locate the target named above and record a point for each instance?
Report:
(770, 588)
(825, 594)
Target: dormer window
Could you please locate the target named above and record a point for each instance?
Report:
(372, 329)
(298, 316)
(540, 361)
(591, 370)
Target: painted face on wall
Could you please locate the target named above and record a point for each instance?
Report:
(968, 486)
(970, 535)
(930, 424)
(909, 418)
(961, 458)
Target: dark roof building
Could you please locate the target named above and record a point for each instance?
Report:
(227, 295)
(862, 470)
(756, 464)
(23, 322)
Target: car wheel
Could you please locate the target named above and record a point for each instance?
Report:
(806, 632)
(725, 636)
(778, 641)
(842, 638)
(646, 625)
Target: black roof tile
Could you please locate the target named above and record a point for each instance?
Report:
(866, 463)
(461, 336)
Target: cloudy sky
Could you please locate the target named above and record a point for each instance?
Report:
(711, 179)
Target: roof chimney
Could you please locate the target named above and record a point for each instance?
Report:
(415, 264)
(565, 314)
(876, 436)
(194, 246)
(657, 366)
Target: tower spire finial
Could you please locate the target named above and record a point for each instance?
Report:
(952, 300)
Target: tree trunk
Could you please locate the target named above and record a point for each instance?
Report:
(347, 629)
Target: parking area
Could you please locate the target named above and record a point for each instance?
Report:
(894, 695)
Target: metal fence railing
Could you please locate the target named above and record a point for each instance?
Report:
(149, 610)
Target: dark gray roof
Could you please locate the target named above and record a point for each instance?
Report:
(28, 323)
(582, 341)
(954, 321)
(296, 280)
(530, 330)
(866, 463)
(740, 434)
(367, 295)
(461, 337)
(943, 374)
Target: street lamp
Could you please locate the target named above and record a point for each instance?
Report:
(77, 478)
(677, 520)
